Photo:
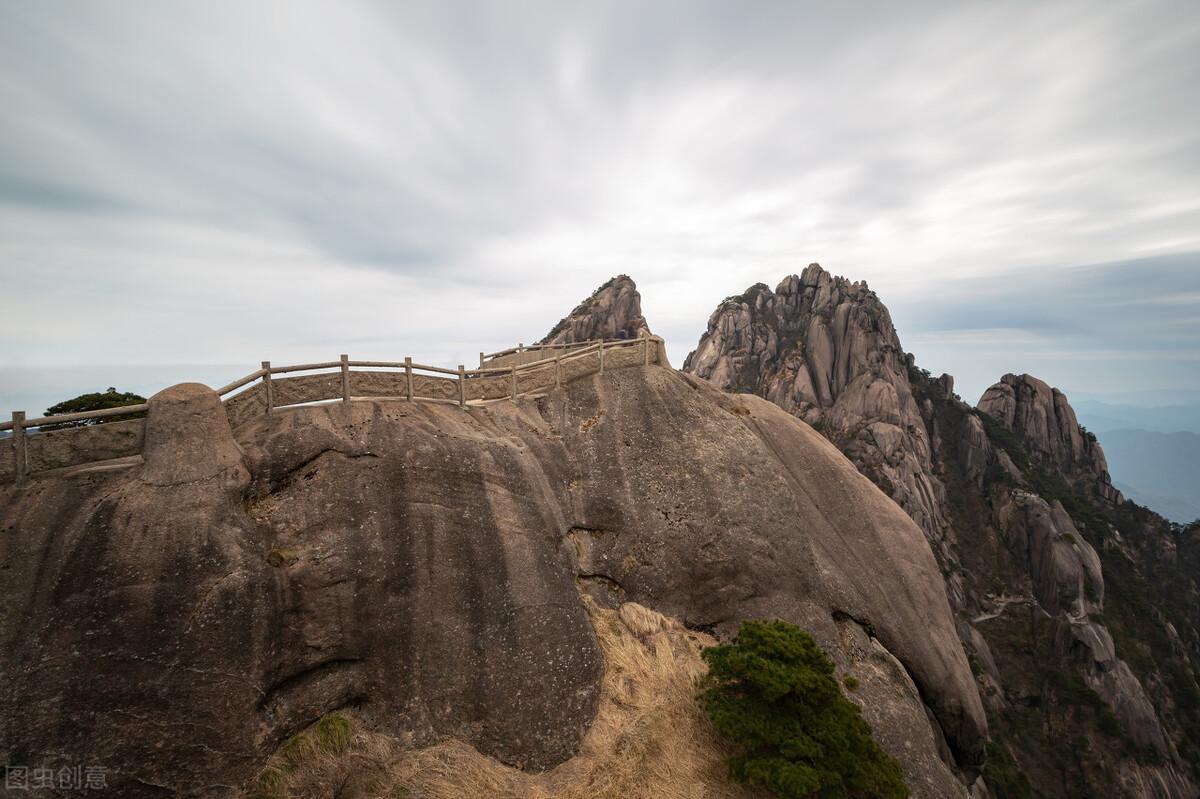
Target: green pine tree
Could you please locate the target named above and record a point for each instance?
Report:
(772, 692)
(95, 401)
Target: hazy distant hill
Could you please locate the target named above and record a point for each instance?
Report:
(1152, 453)
(1158, 470)
(1177, 509)
(1100, 417)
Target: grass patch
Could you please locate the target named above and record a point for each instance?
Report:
(303, 755)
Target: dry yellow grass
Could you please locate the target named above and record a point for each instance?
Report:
(649, 738)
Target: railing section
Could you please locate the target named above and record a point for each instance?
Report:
(262, 392)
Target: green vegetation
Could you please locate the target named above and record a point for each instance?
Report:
(851, 682)
(1007, 440)
(1003, 775)
(773, 694)
(96, 401)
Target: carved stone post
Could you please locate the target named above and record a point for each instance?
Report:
(408, 377)
(345, 379)
(462, 387)
(18, 420)
(266, 365)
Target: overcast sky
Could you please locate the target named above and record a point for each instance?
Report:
(219, 183)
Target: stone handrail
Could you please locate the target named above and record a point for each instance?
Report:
(528, 347)
(274, 387)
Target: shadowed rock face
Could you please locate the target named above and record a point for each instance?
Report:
(1068, 587)
(419, 562)
(1045, 421)
(137, 611)
(613, 311)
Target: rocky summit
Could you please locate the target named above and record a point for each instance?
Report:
(508, 597)
(1076, 608)
(824, 349)
(1046, 423)
(614, 311)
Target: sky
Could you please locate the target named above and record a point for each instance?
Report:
(187, 189)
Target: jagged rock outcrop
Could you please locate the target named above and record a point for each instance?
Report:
(824, 349)
(613, 311)
(1045, 421)
(1024, 579)
(418, 562)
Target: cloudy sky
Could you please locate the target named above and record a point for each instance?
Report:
(188, 188)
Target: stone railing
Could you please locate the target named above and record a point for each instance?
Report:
(501, 376)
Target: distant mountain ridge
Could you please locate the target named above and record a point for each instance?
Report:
(1153, 452)
(1103, 416)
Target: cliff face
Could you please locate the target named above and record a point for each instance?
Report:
(1068, 596)
(418, 564)
(991, 489)
(613, 311)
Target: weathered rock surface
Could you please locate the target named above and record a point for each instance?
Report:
(824, 349)
(974, 451)
(1045, 421)
(1064, 569)
(613, 311)
(419, 563)
(137, 613)
(187, 438)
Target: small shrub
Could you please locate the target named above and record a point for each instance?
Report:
(851, 682)
(772, 692)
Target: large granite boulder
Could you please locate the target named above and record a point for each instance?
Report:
(187, 438)
(420, 562)
(138, 611)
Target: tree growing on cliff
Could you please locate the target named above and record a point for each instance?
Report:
(95, 401)
(772, 693)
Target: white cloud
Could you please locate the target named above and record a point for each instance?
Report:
(224, 182)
